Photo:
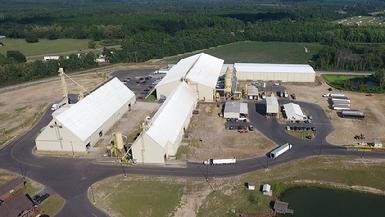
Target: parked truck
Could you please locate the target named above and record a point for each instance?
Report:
(220, 161)
(280, 150)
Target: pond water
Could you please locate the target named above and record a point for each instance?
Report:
(324, 202)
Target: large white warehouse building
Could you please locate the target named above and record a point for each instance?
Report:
(274, 72)
(200, 71)
(164, 132)
(77, 127)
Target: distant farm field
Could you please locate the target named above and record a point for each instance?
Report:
(363, 21)
(260, 52)
(44, 46)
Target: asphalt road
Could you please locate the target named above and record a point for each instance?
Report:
(71, 178)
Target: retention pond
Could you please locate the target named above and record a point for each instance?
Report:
(322, 202)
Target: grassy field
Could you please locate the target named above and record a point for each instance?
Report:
(334, 78)
(137, 197)
(306, 134)
(52, 205)
(44, 46)
(363, 21)
(260, 52)
(143, 196)
(354, 83)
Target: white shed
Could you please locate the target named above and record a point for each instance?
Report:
(201, 71)
(274, 72)
(77, 127)
(272, 106)
(166, 129)
(235, 110)
(293, 112)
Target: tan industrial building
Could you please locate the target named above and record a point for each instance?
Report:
(274, 72)
(163, 134)
(78, 127)
(200, 71)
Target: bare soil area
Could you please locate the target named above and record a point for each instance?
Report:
(372, 127)
(208, 138)
(128, 125)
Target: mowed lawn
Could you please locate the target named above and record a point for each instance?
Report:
(260, 52)
(132, 197)
(44, 46)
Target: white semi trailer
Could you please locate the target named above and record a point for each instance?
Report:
(334, 95)
(280, 150)
(220, 161)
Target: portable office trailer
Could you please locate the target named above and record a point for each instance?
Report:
(352, 114)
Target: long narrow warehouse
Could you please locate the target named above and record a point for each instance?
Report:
(274, 72)
(164, 133)
(78, 127)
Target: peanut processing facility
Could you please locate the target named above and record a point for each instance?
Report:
(274, 72)
(200, 71)
(77, 127)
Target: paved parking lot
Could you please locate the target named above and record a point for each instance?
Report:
(141, 81)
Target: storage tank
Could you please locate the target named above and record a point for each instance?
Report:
(229, 80)
(119, 141)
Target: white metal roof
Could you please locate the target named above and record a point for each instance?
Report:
(200, 68)
(293, 111)
(236, 107)
(272, 105)
(169, 120)
(90, 113)
(264, 67)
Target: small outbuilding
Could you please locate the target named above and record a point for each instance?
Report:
(252, 92)
(272, 106)
(266, 190)
(293, 112)
(250, 186)
(235, 110)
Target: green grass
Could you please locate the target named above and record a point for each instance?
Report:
(44, 46)
(342, 170)
(52, 205)
(354, 83)
(143, 197)
(306, 134)
(261, 52)
(334, 78)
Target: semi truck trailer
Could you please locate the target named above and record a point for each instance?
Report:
(219, 161)
(280, 150)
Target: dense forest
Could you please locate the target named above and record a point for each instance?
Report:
(154, 29)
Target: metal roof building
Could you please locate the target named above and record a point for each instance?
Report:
(77, 127)
(274, 72)
(235, 109)
(272, 106)
(165, 131)
(201, 71)
(293, 112)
